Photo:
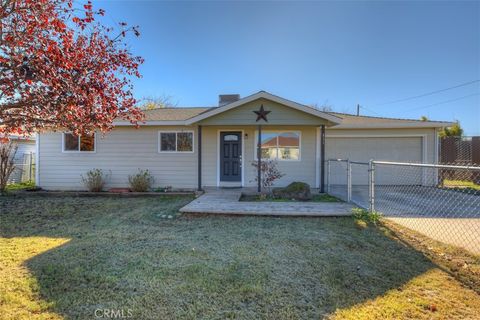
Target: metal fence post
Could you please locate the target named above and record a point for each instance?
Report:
(30, 167)
(349, 181)
(328, 176)
(371, 185)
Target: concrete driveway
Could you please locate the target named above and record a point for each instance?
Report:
(445, 215)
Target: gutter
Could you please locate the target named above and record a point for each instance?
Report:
(428, 125)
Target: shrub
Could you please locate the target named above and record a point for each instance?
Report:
(94, 180)
(269, 173)
(141, 182)
(295, 190)
(7, 165)
(365, 215)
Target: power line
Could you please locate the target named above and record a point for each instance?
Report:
(364, 108)
(427, 94)
(443, 102)
(428, 106)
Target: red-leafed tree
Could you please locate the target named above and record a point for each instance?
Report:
(62, 69)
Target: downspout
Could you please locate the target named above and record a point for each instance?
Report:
(199, 161)
(322, 158)
(37, 160)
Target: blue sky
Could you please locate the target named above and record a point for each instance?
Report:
(336, 53)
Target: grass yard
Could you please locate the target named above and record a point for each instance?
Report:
(21, 186)
(461, 184)
(65, 257)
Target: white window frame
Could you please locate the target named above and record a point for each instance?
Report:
(79, 151)
(176, 132)
(278, 132)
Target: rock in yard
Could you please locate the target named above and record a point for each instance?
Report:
(295, 190)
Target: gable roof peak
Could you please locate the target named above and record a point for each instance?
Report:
(266, 95)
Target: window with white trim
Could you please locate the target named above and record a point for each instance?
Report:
(173, 141)
(280, 145)
(73, 143)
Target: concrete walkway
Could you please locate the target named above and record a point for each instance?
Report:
(226, 201)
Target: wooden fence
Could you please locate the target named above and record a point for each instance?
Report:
(464, 151)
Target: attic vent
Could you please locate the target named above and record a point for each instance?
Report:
(224, 99)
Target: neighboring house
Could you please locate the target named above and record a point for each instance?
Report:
(198, 147)
(24, 158)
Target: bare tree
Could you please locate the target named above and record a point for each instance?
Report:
(7, 165)
(163, 101)
(325, 106)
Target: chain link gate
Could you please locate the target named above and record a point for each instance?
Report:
(417, 196)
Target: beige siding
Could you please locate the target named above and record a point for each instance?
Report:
(302, 170)
(126, 149)
(279, 115)
(122, 151)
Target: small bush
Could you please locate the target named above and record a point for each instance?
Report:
(295, 190)
(365, 215)
(94, 180)
(141, 182)
(269, 173)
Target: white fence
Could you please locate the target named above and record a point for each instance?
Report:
(440, 201)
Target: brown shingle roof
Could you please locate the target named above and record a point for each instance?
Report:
(173, 114)
(348, 121)
(354, 120)
(351, 118)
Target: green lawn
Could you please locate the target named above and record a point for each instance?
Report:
(67, 257)
(461, 184)
(21, 186)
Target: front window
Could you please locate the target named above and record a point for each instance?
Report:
(73, 143)
(176, 142)
(280, 145)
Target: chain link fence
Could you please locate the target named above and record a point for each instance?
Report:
(349, 181)
(24, 168)
(360, 183)
(417, 196)
(337, 178)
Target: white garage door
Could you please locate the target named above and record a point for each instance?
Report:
(401, 149)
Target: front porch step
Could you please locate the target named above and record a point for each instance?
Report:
(226, 184)
(226, 201)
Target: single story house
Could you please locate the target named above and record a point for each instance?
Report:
(192, 148)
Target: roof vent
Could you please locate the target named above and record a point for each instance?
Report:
(224, 99)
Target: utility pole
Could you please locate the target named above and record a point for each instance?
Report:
(358, 109)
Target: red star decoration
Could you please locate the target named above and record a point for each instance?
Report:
(261, 114)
